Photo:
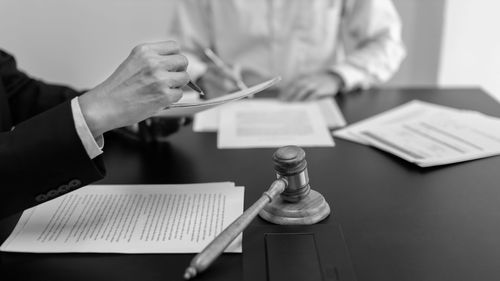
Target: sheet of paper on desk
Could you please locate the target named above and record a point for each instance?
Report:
(130, 219)
(181, 109)
(439, 139)
(258, 123)
(435, 135)
(208, 120)
(409, 111)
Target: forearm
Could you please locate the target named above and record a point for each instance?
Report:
(370, 65)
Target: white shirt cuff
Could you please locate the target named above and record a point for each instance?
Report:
(92, 145)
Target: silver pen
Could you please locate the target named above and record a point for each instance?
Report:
(226, 69)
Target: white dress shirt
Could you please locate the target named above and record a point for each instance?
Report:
(92, 146)
(358, 39)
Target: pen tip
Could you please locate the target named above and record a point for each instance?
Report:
(190, 273)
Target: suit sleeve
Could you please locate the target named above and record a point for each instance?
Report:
(27, 96)
(42, 157)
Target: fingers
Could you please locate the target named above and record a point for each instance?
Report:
(215, 83)
(162, 93)
(159, 55)
(172, 95)
(163, 48)
(176, 79)
(302, 94)
(299, 91)
(169, 79)
(174, 63)
(161, 63)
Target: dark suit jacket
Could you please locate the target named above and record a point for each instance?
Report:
(42, 157)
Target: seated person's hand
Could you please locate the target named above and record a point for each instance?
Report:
(216, 82)
(149, 80)
(312, 87)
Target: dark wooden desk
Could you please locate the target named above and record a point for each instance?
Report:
(400, 222)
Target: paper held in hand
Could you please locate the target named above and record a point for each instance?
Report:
(130, 219)
(429, 135)
(189, 108)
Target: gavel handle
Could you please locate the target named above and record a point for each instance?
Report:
(213, 250)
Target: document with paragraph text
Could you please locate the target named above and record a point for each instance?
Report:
(130, 219)
(268, 123)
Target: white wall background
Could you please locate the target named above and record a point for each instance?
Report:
(78, 42)
(471, 45)
(422, 30)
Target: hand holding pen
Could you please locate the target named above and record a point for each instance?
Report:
(232, 73)
(220, 78)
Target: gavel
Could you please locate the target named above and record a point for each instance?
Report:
(297, 204)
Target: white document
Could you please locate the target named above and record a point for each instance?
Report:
(440, 138)
(430, 135)
(259, 123)
(208, 120)
(180, 109)
(412, 110)
(130, 219)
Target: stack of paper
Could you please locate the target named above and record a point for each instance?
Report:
(130, 219)
(428, 134)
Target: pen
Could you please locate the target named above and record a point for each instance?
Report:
(224, 67)
(195, 87)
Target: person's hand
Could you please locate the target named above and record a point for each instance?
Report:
(215, 82)
(147, 81)
(312, 87)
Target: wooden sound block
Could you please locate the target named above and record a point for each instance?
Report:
(309, 210)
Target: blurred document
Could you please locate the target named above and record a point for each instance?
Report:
(182, 108)
(270, 123)
(409, 111)
(130, 219)
(208, 120)
(430, 135)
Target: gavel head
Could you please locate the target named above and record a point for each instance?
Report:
(298, 204)
(290, 163)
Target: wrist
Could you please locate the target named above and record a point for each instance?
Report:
(92, 114)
